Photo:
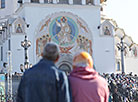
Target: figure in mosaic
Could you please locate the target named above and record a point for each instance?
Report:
(19, 29)
(84, 44)
(40, 42)
(107, 31)
(64, 35)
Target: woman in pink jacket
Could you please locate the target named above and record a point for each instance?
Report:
(86, 84)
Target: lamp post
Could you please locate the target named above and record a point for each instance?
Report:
(1, 32)
(26, 44)
(9, 76)
(121, 47)
(3, 28)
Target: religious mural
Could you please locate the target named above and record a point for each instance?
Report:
(18, 26)
(106, 31)
(40, 42)
(106, 28)
(67, 30)
(63, 31)
(84, 44)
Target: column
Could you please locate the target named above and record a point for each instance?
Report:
(70, 1)
(83, 2)
(24, 1)
(54, 1)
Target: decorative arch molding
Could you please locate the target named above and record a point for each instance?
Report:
(119, 32)
(134, 50)
(67, 30)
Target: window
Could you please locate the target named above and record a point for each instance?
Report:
(2, 3)
(9, 44)
(45, 1)
(118, 66)
(77, 2)
(35, 1)
(63, 2)
(1, 53)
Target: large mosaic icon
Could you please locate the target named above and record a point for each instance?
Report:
(63, 31)
(67, 30)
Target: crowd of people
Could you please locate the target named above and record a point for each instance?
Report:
(123, 87)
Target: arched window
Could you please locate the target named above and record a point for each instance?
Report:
(2, 3)
(1, 54)
(118, 66)
(35, 1)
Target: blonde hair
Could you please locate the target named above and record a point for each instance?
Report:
(82, 59)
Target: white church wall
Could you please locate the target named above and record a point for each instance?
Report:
(104, 58)
(38, 14)
(17, 52)
(5, 48)
(10, 7)
(131, 65)
(102, 46)
(34, 14)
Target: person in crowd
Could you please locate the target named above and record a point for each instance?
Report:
(116, 96)
(21, 67)
(86, 84)
(123, 87)
(44, 82)
(4, 69)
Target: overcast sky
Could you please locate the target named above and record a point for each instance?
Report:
(125, 13)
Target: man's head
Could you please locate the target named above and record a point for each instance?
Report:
(51, 52)
(5, 64)
(82, 59)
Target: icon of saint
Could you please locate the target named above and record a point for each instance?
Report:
(64, 35)
(107, 31)
(19, 29)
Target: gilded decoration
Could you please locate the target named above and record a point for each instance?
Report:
(66, 30)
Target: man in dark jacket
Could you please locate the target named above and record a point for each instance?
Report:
(44, 82)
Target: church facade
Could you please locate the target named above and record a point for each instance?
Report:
(73, 26)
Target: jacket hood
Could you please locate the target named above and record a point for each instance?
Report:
(85, 73)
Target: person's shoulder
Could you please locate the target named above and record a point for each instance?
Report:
(30, 70)
(103, 80)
